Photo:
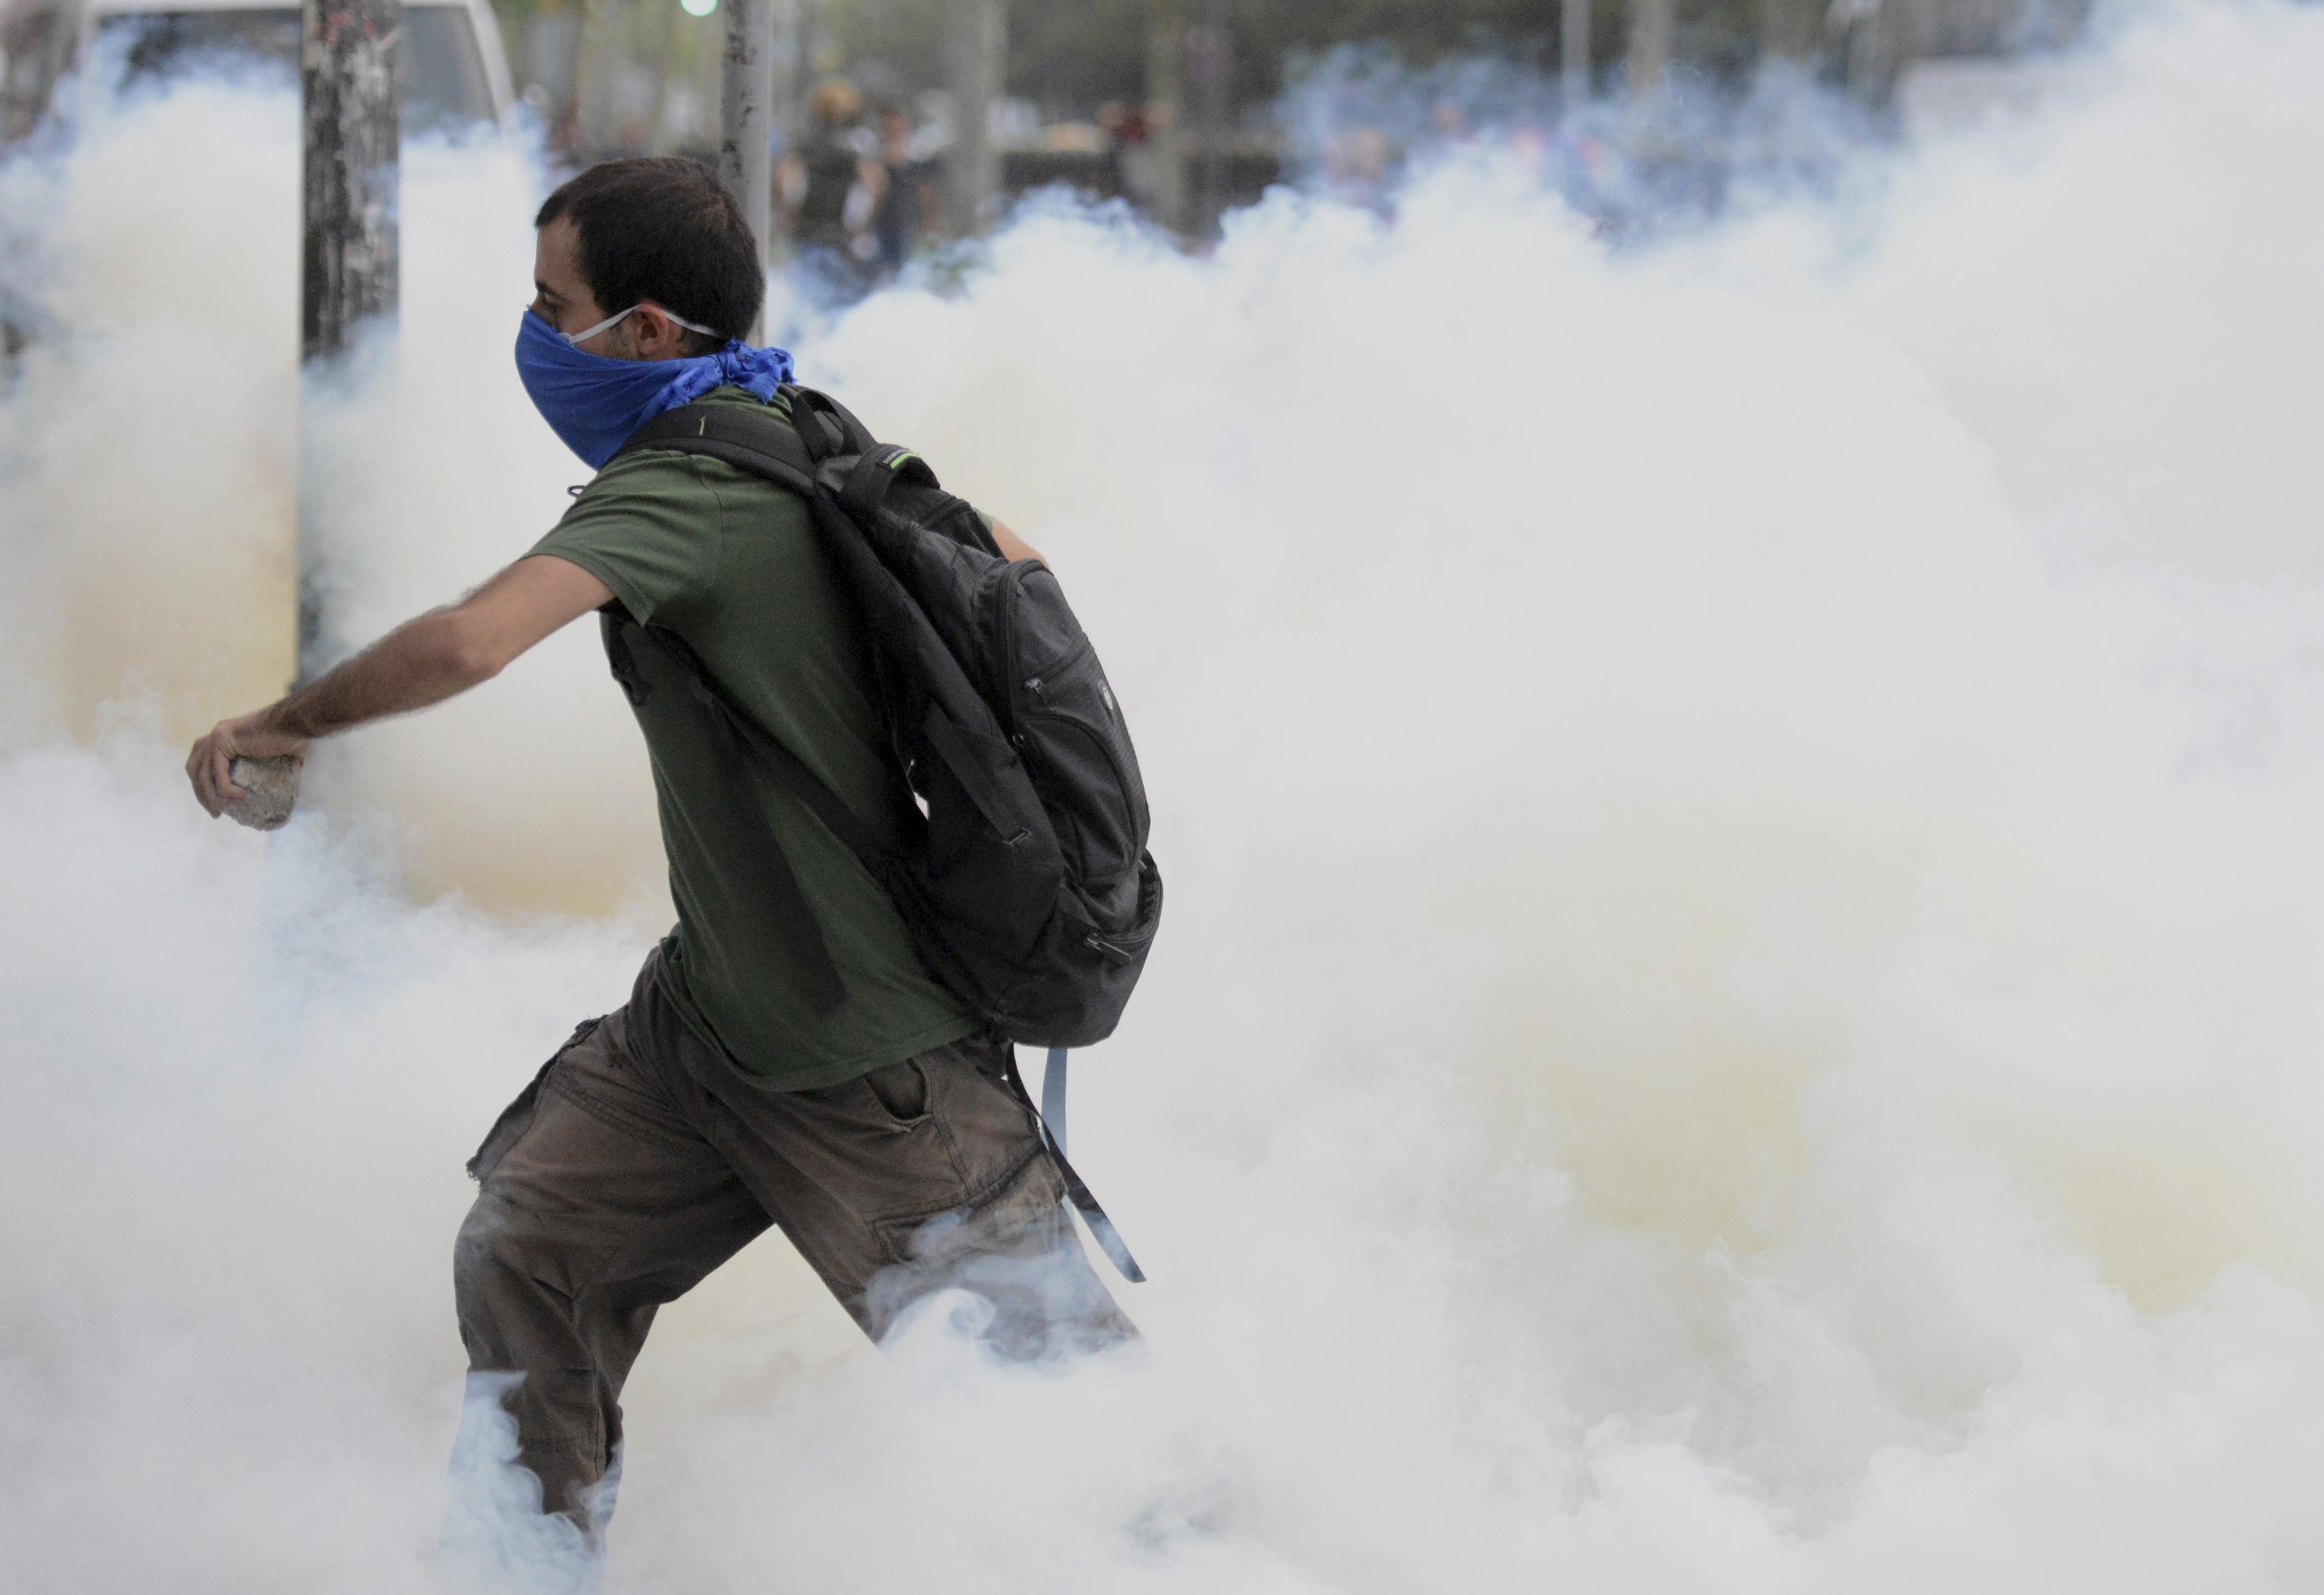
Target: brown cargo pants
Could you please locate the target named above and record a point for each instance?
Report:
(637, 1162)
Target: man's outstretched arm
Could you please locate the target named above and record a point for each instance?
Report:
(422, 661)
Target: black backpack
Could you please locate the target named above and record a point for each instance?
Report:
(1028, 888)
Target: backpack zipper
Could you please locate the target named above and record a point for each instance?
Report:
(1119, 955)
(1012, 596)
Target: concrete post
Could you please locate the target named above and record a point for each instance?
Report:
(348, 244)
(976, 51)
(746, 97)
(1573, 54)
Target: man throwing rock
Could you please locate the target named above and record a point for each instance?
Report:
(880, 1134)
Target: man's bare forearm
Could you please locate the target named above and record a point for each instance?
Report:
(422, 661)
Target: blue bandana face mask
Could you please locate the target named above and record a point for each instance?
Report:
(594, 402)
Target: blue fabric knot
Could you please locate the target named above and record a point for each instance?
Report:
(756, 371)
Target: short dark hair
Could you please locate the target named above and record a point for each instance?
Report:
(662, 228)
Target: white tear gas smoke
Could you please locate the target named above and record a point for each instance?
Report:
(1358, 125)
(1738, 1010)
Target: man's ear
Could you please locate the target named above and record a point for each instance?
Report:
(658, 336)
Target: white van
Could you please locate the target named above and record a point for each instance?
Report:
(455, 73)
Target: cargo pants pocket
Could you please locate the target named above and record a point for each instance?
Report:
(517, 1117)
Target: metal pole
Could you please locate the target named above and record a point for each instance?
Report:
(1573, 54)
(976, 43)
(1211, 54)
(665, 68)
(348, 244)
(789, 113)
(1166, 62)
(746, 99)
(1650, 23)
(1791, 30)
(604, 63)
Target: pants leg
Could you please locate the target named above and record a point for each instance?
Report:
(601, 1200)
(924, 1176)
(638, 1161)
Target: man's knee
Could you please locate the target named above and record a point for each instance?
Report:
(523, 1344)
(508, 1316)
(484, 1254)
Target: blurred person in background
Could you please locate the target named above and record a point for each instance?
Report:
(1448, 122)
(1132, 152)
(907, 196)
(873, 1116)
(829, 189)
(1357, 166)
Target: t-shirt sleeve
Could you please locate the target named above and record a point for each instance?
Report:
(648, 529)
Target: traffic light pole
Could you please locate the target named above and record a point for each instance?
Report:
(746, 86)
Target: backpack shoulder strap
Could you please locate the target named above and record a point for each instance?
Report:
(754, 438)
(750, 438)
(824, 424)
(826, 987)
(1050, 1117)
(788, 767)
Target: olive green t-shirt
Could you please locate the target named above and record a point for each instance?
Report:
(732, 565)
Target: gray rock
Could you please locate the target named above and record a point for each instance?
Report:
(270, 787)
